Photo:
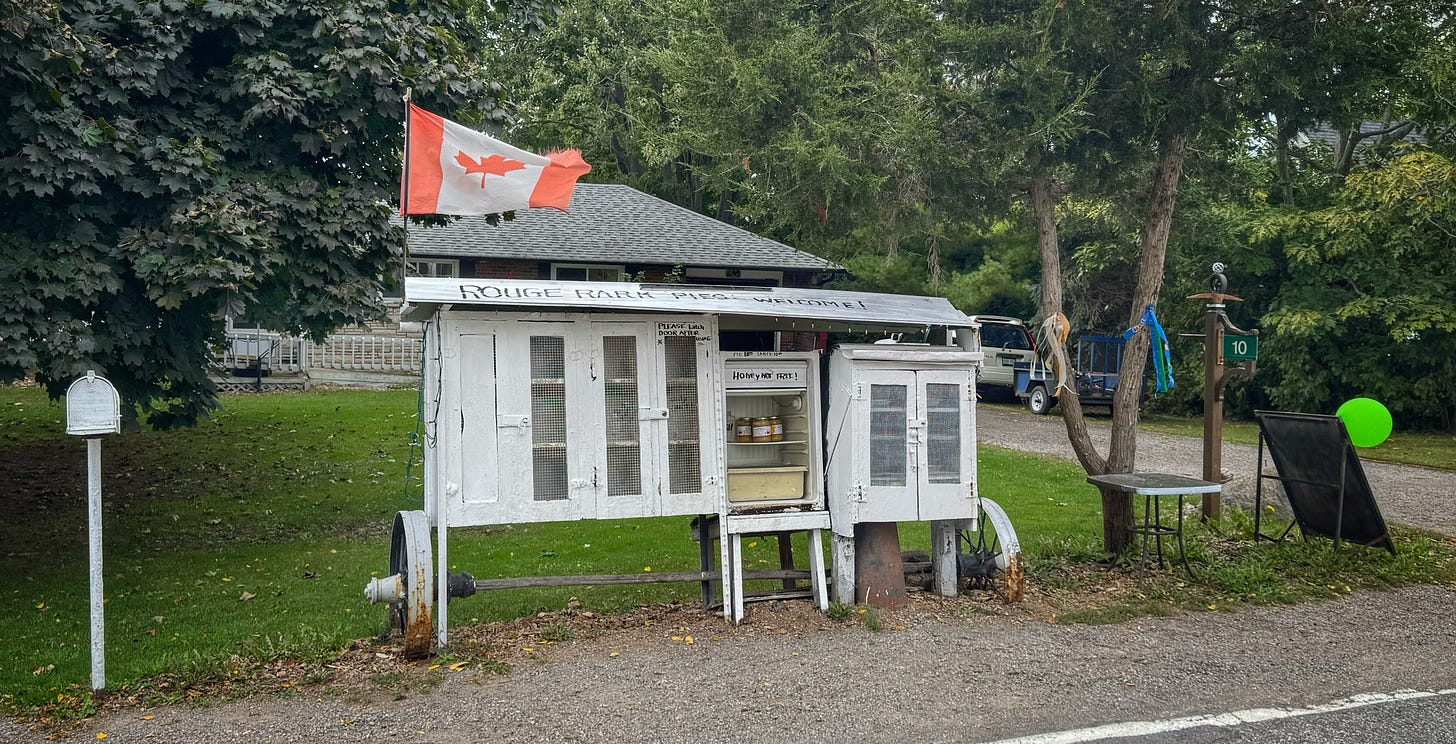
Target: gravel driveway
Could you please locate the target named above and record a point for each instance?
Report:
(1412, 495)
(947, 676)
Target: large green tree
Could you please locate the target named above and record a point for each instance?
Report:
(162, 163)
(807, 122)
(1087, 106)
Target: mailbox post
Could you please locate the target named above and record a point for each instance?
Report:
(93, 408)
(1218, 348)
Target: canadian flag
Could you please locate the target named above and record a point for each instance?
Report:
(452, 169)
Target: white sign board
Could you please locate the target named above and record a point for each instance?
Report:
(830, 306)
(92, 406)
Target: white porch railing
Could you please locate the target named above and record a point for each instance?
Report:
(277, 353)
(367, 353)
(249, 349)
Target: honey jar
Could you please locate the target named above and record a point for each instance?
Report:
(762, 429)
(776, 429)
(743, 430)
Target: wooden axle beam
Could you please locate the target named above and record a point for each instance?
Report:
(640, 578)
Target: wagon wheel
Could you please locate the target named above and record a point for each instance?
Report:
(409, 558)
(992, 557)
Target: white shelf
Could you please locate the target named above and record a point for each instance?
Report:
(765, 391)
(770, 469)
(760, 444)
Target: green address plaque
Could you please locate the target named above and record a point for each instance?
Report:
(1240, 347)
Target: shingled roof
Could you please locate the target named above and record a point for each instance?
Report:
(614, 224)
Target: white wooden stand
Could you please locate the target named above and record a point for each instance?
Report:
(733, 529)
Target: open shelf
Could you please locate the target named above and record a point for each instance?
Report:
(760, 444)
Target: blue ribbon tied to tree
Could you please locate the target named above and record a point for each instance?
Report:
(1162, 355)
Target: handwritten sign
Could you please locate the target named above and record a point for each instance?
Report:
(824, 308)
(776, 376)
(689, 329)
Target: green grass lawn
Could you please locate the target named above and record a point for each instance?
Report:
(252, 535)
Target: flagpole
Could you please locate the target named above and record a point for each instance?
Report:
(404, 198)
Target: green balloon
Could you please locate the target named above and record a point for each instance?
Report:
(1367, 421)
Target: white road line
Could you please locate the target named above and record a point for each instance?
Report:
(1235, 718)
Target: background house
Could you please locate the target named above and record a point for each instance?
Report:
(613, 233)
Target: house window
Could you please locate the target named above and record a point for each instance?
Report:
(586, 273)
(736, 277)
(434, 267)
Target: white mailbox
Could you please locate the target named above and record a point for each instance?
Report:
(92, 406)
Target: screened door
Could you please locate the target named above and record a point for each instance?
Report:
(692, 441)
(945, 444)
(887, 467)
(624, 473)
(543, 407)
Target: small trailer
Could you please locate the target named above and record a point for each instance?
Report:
(550, 401)
(1099, 361)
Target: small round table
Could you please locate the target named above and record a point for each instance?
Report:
(1151, 486)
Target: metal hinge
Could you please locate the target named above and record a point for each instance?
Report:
(857, 391)
(506, 420)
(857, 493)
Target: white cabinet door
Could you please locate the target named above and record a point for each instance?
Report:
(627, 398)
(887, 463)
(693, 440)
(543, 415)
(942, 432)
(478, 499)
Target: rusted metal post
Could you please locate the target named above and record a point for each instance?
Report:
(879, 572)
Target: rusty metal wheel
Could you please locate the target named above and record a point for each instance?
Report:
(409, 558)
(991, 557)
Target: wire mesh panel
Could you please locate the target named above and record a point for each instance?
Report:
(684, 453)
(943, 431)
(887, 434)
(624, 436)
(548, 417)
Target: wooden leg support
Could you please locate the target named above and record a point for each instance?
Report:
(736, 542)
(816, 567)
(943, 558)
(843, 546)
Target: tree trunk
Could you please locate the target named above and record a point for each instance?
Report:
(1043, 204)
(1116, 505)
(1283, 134)
(1154, 249)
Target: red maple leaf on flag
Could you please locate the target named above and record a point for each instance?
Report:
(497, 165)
